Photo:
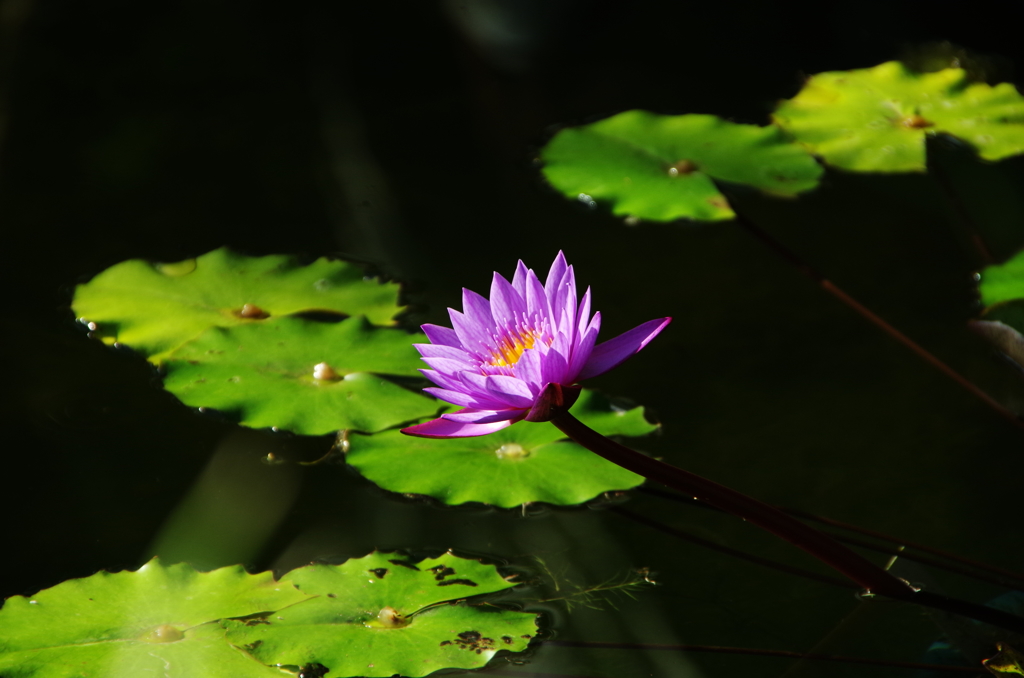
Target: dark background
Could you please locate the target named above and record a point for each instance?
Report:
(404, 135)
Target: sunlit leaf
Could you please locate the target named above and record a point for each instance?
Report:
(155, 621)
(155, 308)
(302, 376)
(876, 119)
(662, 167)
(383, 615)
(1003, 282)
(525, 463)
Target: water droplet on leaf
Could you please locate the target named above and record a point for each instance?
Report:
(389, 618)
(165, 633)
(324, 372)
(683, 167)
(252, 312)
(511, 451)
(916, 121)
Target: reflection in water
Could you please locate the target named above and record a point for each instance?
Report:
(645, 621)
(232, 509)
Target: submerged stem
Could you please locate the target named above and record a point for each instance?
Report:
(735, 553)
(786, 654)
(865, 573)
(936, 172)
(901, 547)
(866, 313)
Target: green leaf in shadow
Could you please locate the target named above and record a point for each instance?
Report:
(1007, 661)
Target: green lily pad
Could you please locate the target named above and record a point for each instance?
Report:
(876, 119)
(127, 624)
(524, 463)
(1002, 293)
(383, 615)
(155, 308)
(302, 376)
(1003, 282)
(662, 167)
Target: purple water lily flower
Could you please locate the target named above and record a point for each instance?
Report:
(519, 355)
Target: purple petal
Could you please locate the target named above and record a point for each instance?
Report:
(474, 381)
(487, 369)
(556, 272)
(554, 367)
(567, 304)
(444, 336)
(447, 365)
(608, 354)
(442, 380)
(557, 293)
(552, 285)
(473, 336)
(581, 352)
(506, 305)
(519, 279)
(440, 351)
(472, 416)
(536, 298)
(463, 399)
(476, 307)
(528, 369)
(480, 387)
(511, 390)
(445, 428)
(583, 316)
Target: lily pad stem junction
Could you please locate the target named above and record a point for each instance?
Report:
(873, 578)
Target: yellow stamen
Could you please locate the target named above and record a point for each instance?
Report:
(511, 346)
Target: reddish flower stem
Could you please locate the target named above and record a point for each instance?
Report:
(879, 322)
(874, 579)
(899, 547)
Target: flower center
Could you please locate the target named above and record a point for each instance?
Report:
(513, 343)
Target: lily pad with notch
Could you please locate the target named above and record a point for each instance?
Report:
(302, 376)
(662, 167)
(155, 308)
(524, 463)
(158, 620)
(384, 615)
(876, 119)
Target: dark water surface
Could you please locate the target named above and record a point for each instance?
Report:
(403, 134)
